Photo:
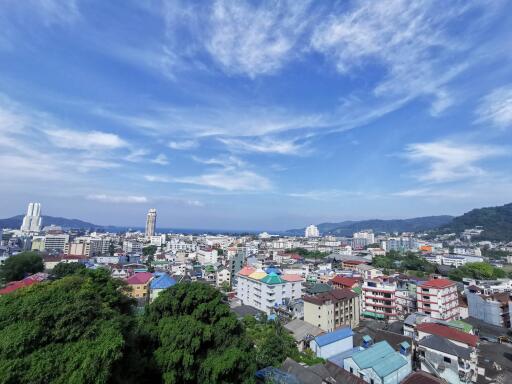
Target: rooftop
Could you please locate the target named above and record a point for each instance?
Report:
(448, 332)
(438, 283)
(162, 282)
(331, 337)
(443, 345)
(335, 295)
(381, 358)
(139, 278)
(348, 282)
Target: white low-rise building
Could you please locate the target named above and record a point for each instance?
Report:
(265, 291)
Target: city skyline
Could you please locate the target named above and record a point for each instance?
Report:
(273, 116)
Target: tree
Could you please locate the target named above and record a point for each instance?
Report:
(72, 330)
(111, 248)
(479, 270)
(197, 338)
(149, 251)
(19, 266)
(276, 346)
(65, 269)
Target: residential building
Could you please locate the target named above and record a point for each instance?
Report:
(265, 291)
(438, 298)
(442, 357)
(340, 281)
(139, 284)
(379, 364)
(368, 272)
(132, 246)
(460, 338)
(367, 235)
(32, 221)
(223, 277)
(160, 282)
(303, 332)
(150, 223)
(379, 299)
(207, 256)
(56, 242)
(333, 343)
(493, 309)
(333, 309)
(311, 231)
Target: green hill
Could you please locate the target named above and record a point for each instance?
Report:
(496, 222)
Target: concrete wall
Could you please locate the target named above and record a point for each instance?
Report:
(332, 349)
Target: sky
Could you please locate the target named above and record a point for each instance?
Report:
(254, 115)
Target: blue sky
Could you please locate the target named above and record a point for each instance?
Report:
(254, 115)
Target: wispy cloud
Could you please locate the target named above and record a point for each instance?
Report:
(183, 145)
(496, 108)
(157, 179)
(120, 199)
(446, 161)
(230, 180)
(90, 140)
(161, 159)
(265, 145)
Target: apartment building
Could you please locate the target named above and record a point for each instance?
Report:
(438, 298)
(493, 309)
(379, 299)
(333, 309)
(265, 291)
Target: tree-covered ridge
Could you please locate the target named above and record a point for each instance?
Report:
(496, 222)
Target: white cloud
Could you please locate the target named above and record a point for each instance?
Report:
(230, 180)
(118, 199)
(265, 145)
(183, 145)
(223, 161)
(255, 40)
(433, 193)
(496, 108)
(90, 140)
(157, 179)
(161, 159)
(412, 41)
(447, 161)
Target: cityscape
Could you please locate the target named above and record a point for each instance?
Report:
(370, 307)
(256, 192)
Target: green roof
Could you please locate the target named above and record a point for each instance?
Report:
(272, 278)
(358, 290)
(373, 315)
(318, 288)
(463, 326)
(381, 357)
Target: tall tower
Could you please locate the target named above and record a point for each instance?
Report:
(151, 222)
(32, 220)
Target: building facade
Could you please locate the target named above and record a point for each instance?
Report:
(150, 223)
(333, 309)
(438, 298)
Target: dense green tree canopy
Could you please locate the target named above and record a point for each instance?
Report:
(150, 250)
(19, 266)
(68, 331)
(408, 262)
(65, 269)
(198, 339)
(477, 271)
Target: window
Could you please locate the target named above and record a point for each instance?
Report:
(351, 370)
(447, 360)
(372, 381)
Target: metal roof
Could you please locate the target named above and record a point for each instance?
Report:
(381, 357)
(331, 337)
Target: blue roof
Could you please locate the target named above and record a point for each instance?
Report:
(273, 269)
(381, 357)
(162, 282)
(334, 336)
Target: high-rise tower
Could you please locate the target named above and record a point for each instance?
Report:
(32, 220)
(151, 223)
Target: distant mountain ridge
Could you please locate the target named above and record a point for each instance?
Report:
(15, 222)
(347, 228)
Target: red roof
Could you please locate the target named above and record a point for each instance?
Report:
(246, 271)
(292, 277)
(448, 332)
(354, 262)
(15, 285)
(139, 278)
(438, 283)
(348, 282)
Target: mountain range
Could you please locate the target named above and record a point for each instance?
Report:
(16, 221)
(347, 228)
(496, 221)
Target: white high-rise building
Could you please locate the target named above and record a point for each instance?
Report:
(151, 223)
(367, 235)
(32, 220)
(312, 231)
